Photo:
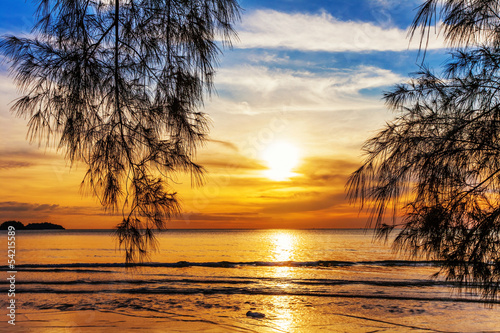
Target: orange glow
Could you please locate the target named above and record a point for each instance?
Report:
(263, 182)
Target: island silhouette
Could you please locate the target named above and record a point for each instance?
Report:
(31, 226)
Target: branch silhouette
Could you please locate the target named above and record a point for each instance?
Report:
(434, 171)
(119, 85)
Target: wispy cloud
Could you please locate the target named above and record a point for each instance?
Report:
(24, 157)
(325, 171)
(303, 204)
(14, 206)
(219, 220)
(320, 32)
(225, 144)
(255, 89)
(13, 210)
(14, 164)
(228, 163)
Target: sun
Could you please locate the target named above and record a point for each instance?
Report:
(281, 158)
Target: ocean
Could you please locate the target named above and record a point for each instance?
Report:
(231, 281)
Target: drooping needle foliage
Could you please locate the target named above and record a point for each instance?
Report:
(437, 165)
(119, 85)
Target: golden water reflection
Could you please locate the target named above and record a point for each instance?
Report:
(284, 246)
(284, 316)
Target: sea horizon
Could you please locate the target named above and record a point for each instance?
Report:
(204, 229)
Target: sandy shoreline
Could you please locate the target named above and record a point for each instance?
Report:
(107, 321)
(55, 321)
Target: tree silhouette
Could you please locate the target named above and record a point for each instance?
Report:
(438, 162)
(119, 86)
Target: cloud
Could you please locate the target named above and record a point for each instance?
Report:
(235, 220)
(227, 160)
(14, 164)
(225, 144)
(324, 170)
(270, 58)
(301, 204)
(14, 206)
(22, 206)
(320, 32)
(230, 163)
(194, 216)
(388, 4)
(255, 89)
(318, 186)
(29, 152)
(24, 157)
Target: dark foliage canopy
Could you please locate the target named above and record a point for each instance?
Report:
(438, 163)
(119, 85)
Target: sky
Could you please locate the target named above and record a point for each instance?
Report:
(296, 97)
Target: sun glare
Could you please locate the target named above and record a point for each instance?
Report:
(281, 159)
(283, 246)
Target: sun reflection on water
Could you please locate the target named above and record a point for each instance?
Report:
(284, 246)
(285, 319)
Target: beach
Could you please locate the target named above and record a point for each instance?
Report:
(209, 280)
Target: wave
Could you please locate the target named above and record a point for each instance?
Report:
(231, 264)
(260, 291)
(240, 281)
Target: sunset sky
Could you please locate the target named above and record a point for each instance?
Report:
(296, 98)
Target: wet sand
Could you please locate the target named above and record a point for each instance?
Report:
(314, 318)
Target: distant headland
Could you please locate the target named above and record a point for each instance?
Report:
(32, 226)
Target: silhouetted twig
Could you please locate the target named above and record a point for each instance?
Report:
(438, 162)
(119, 84)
